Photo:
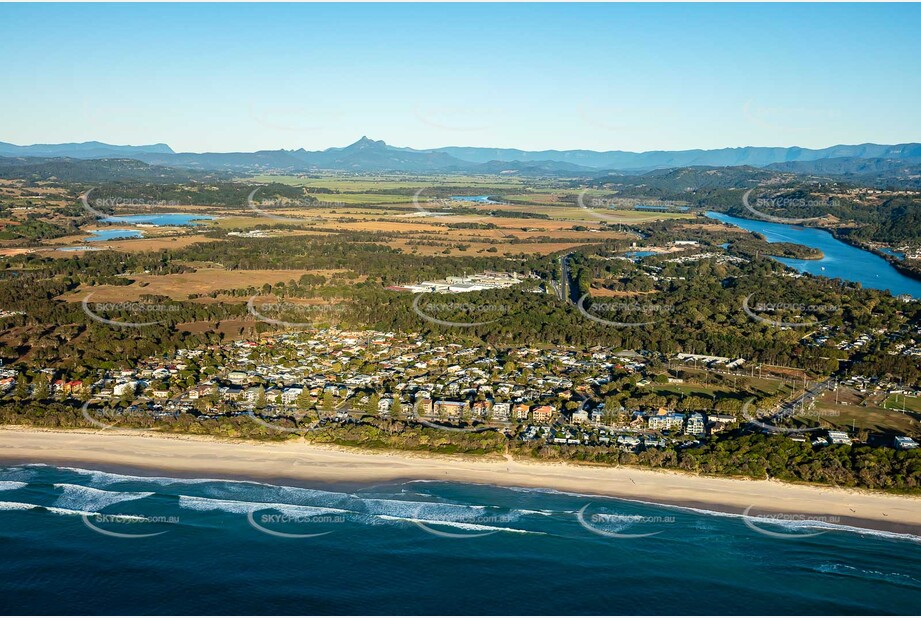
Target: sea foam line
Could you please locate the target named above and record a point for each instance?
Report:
(25, 506)
(903, 536)
(457, 524)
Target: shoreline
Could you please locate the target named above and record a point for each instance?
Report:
(302, 464)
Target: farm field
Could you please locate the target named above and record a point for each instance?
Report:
(181, 286)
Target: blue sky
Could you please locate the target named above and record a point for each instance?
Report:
(205, 77)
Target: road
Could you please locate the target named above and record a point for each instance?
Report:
(789, 408)
(566, 287)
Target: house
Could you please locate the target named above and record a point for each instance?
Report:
(384, 405)
(451, 409)
(696, 425)
(237, 377)
(542, 414)
(720, 422)
(521, 411)
(201, 390)
(272, 395)
(424, 406)
(501, 411)
(904, 443)
(72, 387)
(124, 389)
(251, 394)
(480, 409)
(665, 421)
(291, 394)
(838, 437)
(580, 416)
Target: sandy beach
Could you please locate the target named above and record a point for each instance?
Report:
(301, 463)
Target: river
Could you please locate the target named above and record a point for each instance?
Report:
(841, 259)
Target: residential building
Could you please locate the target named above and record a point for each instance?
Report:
(542, 414)
(501, 412)
(838, 437)
(696, 425)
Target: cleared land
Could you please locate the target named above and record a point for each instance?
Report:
(180, 286)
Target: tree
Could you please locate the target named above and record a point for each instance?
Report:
(40, 388)
(373, 401)
(303, 399)
(260, 398)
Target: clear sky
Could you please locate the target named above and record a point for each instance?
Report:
(603, 77)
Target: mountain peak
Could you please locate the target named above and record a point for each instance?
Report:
(367, 142)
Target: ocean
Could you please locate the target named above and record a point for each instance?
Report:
(76, 541)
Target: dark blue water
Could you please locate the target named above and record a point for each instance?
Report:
(173, 218)
(218, 547)
(100, 235)
(841, 259)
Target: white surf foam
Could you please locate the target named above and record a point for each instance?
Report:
(198, 503)
(457, 524)
(24, 506)
(91, 499)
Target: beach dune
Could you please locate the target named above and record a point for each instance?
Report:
(302, 463)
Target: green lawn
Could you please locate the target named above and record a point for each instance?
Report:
(897, 402)
(872, 418)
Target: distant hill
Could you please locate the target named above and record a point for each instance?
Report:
(531, 168)
(848, 165)
(882, 172)
(368, 155)
(84, 150)
(755, 156)
(693, 178)
(91, 170)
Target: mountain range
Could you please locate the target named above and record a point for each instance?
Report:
(367, 155)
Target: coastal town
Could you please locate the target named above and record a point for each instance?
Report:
(558, 397)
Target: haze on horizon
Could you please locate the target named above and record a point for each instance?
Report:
(600, 77)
